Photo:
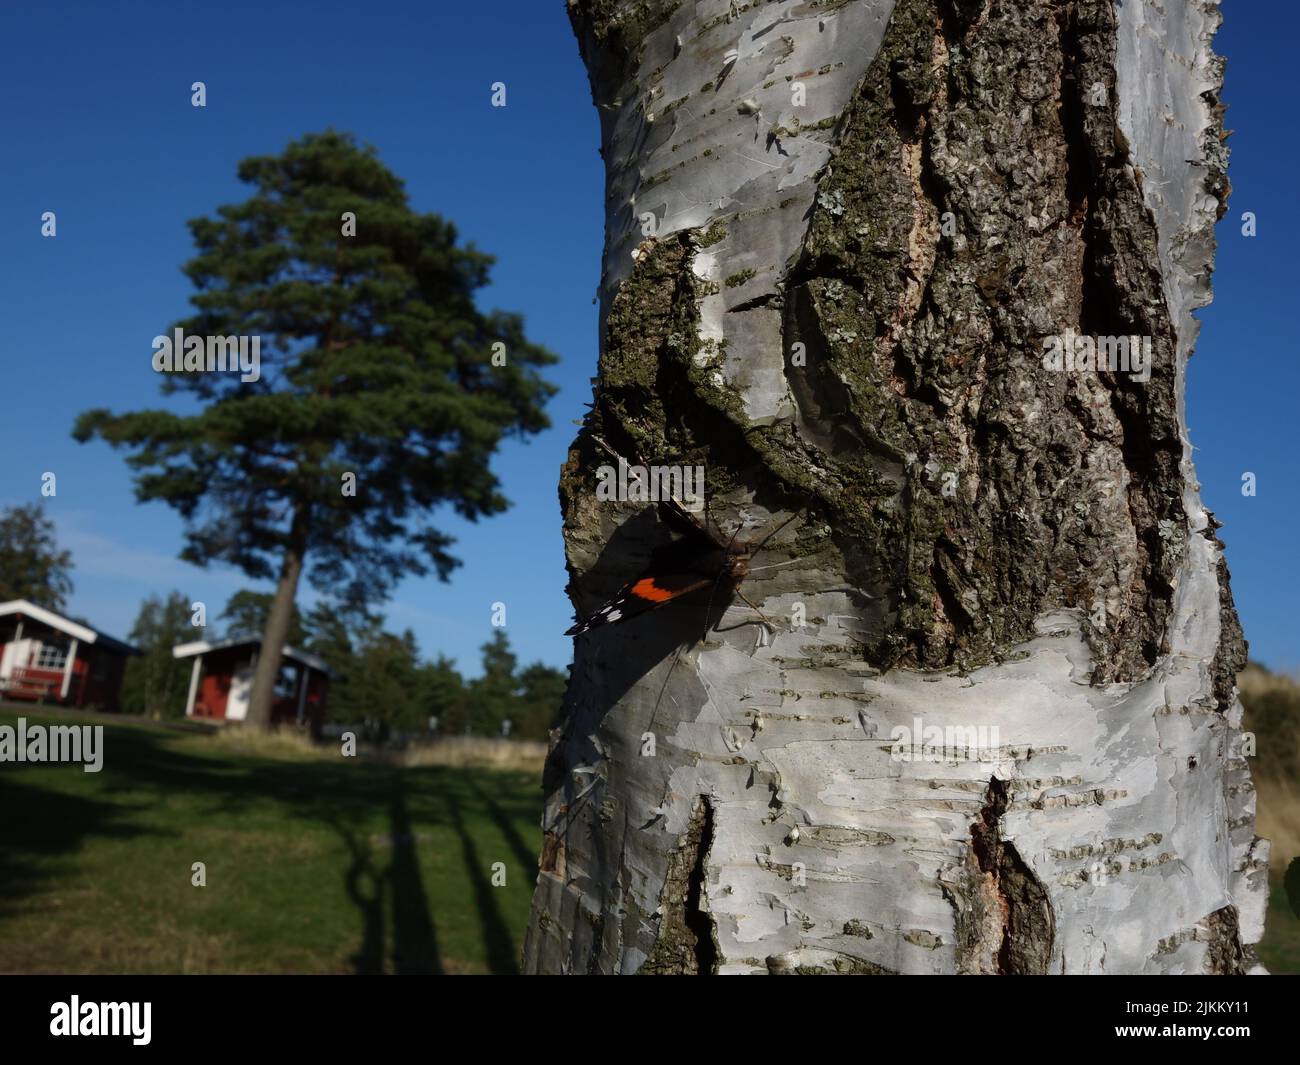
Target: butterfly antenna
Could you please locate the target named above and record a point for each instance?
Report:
(755, 609)
(663, 688)
(777, 565)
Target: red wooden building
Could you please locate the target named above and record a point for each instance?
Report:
(46, 657)
(222, 681)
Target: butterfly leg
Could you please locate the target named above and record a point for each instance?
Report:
(766, 621)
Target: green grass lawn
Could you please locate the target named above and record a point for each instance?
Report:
(314, 863)
(1279, 950)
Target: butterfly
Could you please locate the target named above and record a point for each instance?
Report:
(701, 558)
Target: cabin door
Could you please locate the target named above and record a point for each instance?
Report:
(241, 687)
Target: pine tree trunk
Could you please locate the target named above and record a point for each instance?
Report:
(276, 633)
(870, 220)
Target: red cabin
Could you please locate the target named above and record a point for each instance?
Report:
(222, 681)
(45, 657)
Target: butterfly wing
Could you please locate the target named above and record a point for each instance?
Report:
(642, 595)
(676, 569)
(677, 517)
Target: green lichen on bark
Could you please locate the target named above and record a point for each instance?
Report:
(715, 232)
(925, 349)
(610, 36)
(656, 397)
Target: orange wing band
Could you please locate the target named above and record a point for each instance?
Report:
(647, 589)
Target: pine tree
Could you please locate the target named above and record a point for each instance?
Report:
(540, 698)
(389, 669)
(493, 696)
(382, 392)
(246, 612)
(443, 694)
(156, 683)
(32, 566)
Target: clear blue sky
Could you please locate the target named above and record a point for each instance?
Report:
(96, 123)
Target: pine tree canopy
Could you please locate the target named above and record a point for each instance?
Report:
(375, 362)
(32, 565)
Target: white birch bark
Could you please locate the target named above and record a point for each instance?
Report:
(951, 188)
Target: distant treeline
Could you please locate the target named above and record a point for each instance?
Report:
(381, 681)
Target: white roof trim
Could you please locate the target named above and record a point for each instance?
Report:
(48, 617)
(202, 647)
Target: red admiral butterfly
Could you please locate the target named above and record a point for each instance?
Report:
(701, 558)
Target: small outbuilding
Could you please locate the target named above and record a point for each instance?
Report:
(222, 681)
(46, 657)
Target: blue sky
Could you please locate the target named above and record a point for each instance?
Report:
(97, 125)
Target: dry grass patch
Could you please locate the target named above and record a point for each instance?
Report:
(477, 752)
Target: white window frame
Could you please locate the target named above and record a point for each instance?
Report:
(52, 657)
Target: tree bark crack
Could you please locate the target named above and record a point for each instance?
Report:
(686, 943)
(1015, 926)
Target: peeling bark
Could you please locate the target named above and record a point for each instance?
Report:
(983, 545)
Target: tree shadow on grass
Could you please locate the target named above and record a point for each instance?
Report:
(369, 960)
(143, 767)
(38, 824)
(398, 888)
(415, 943)
(498, 942)
(524, 854)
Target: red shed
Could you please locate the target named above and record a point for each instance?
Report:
(49, 658)
(222, 680)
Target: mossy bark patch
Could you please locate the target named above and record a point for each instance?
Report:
(949, 239)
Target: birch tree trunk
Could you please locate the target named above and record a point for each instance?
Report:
(874, 222)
